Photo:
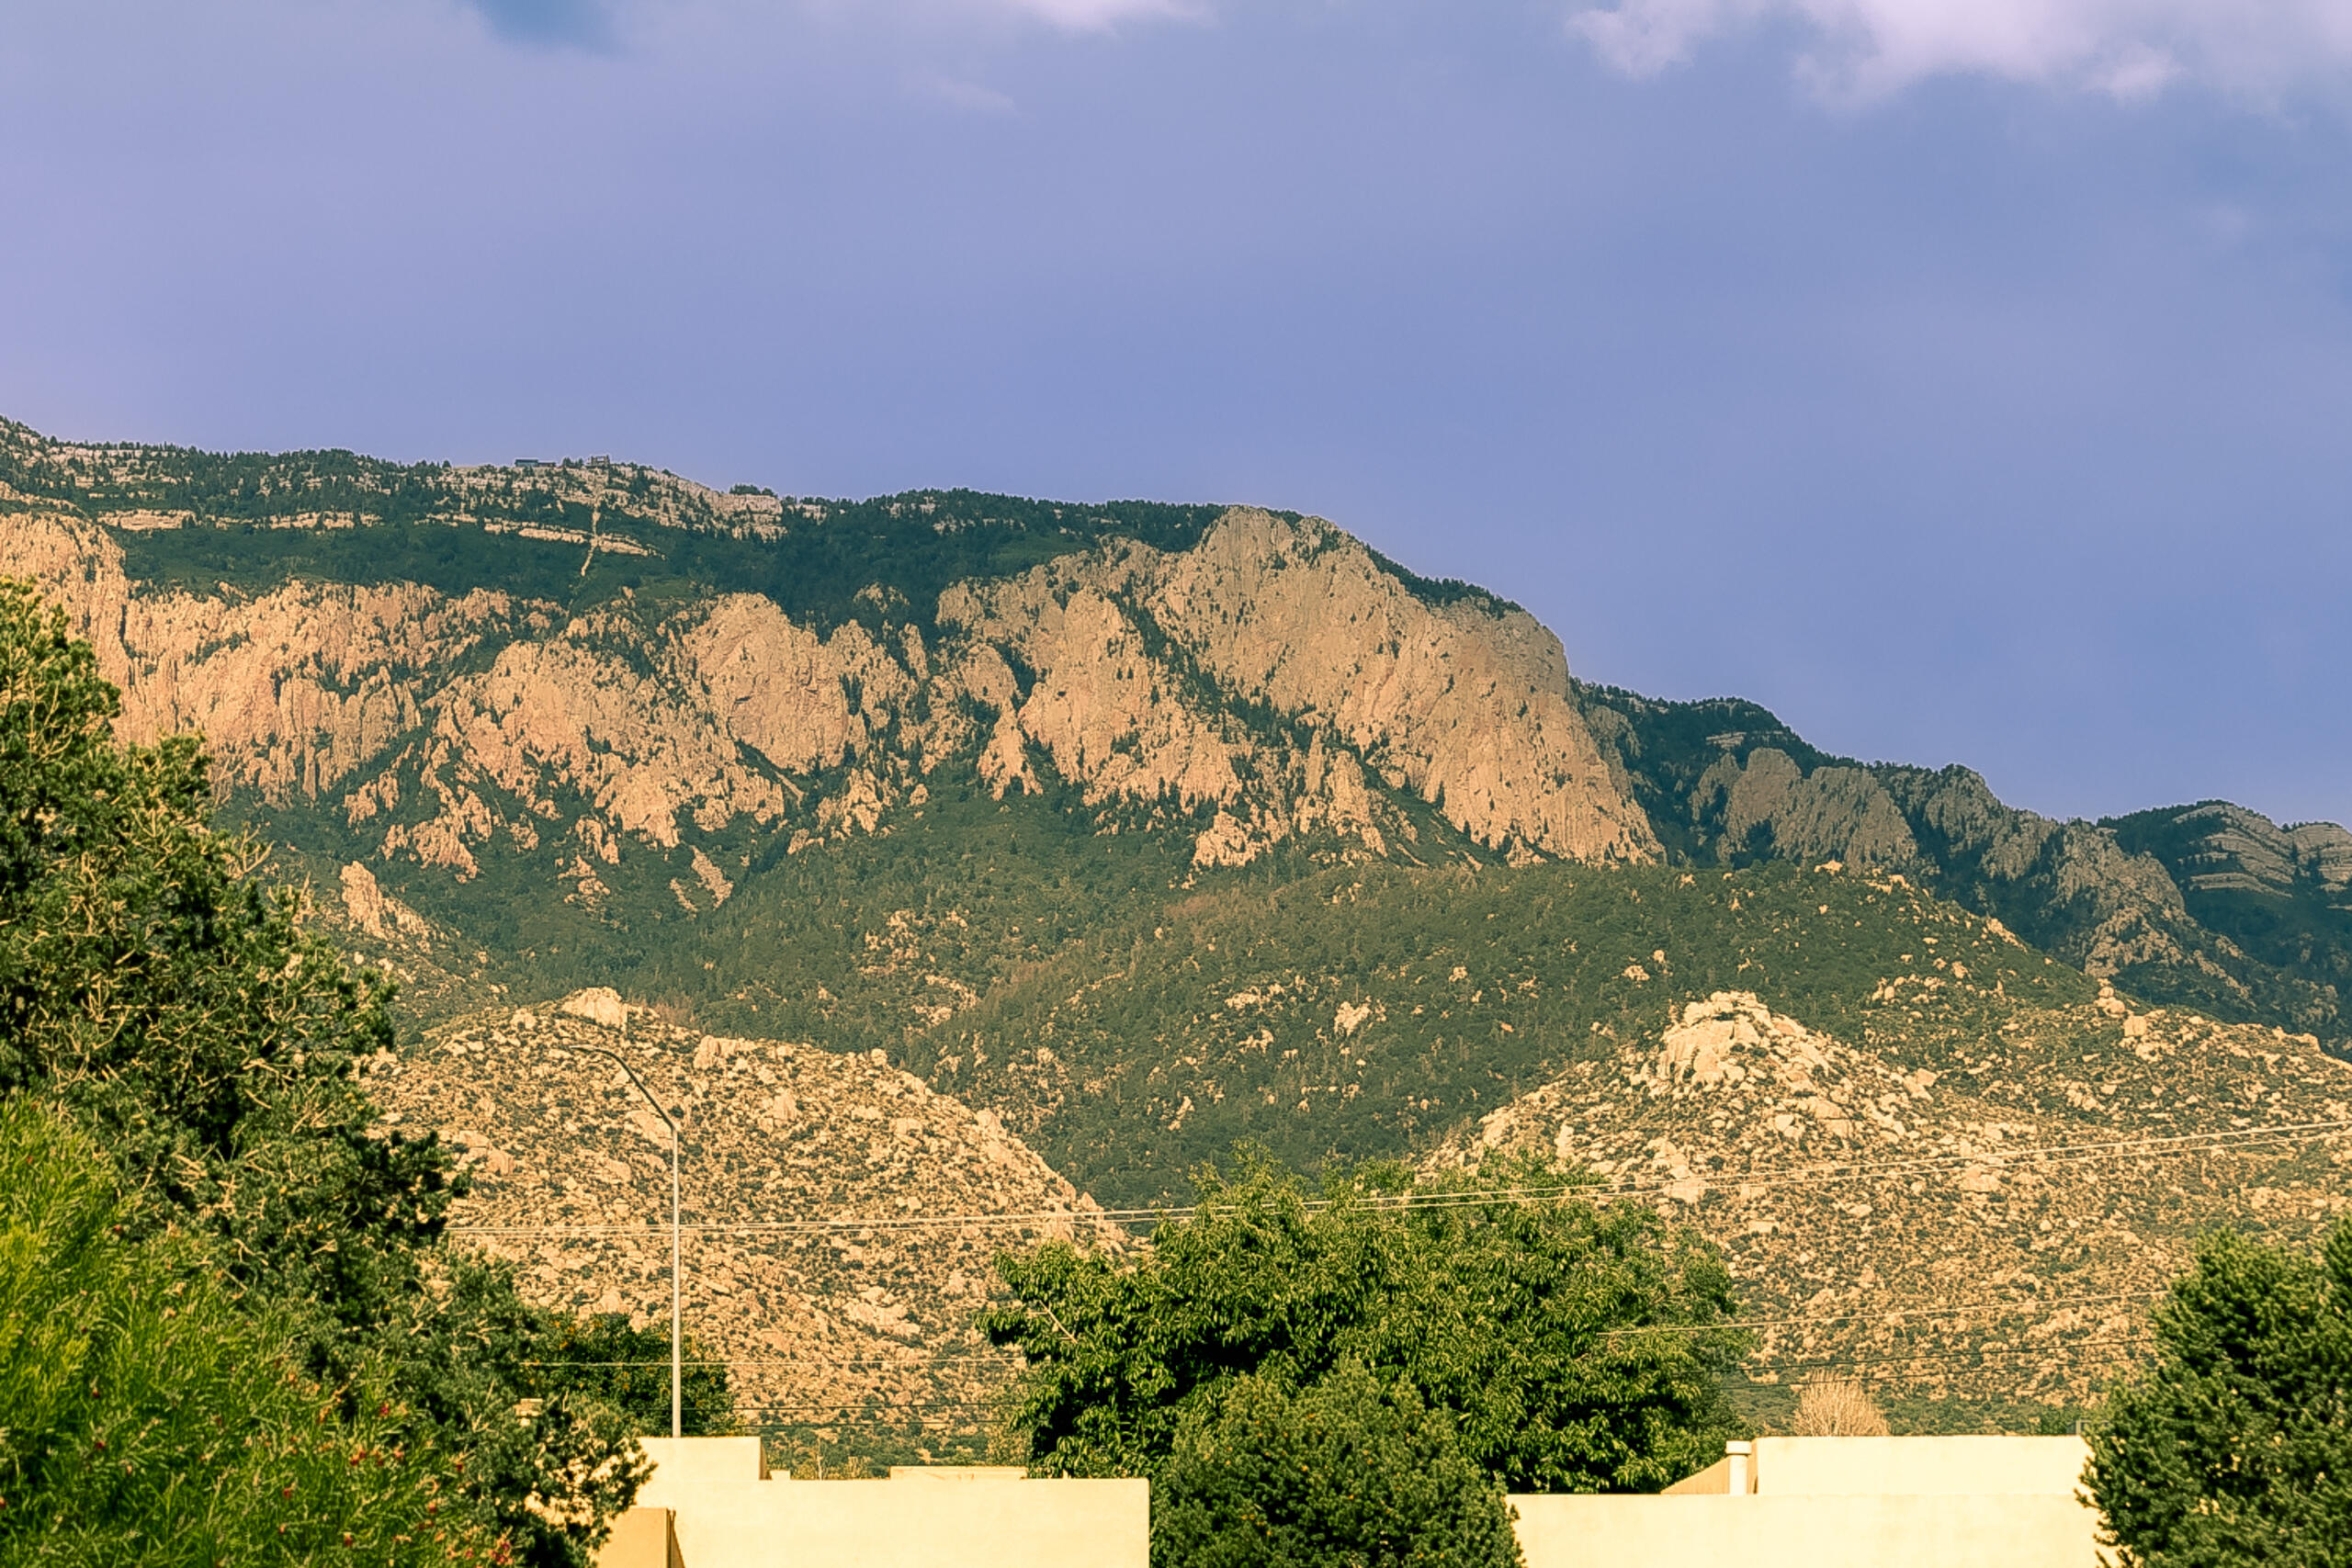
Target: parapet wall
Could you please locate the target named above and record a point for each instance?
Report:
(1968, 1502)
(726, 1513)
(1701, 1531)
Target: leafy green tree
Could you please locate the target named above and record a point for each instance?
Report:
(2235, 1446)
(602, 1357)
(1346, 1471)
(143, 1419)
(155, 986)
(1568, 1347)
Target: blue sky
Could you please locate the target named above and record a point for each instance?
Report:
(1967, 380)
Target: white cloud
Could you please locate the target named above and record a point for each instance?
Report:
(956, 92)
(1090, 15)
(2129, 49)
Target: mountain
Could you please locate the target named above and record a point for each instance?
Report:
(547, 704)
(1143, 828)
(1962, 1185)
(2209, 906)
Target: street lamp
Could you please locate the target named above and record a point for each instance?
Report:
(677, 1421)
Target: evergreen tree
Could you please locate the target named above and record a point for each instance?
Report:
(2234, 1448)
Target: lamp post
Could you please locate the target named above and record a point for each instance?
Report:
(677, 1380)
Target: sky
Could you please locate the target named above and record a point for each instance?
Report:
(1967, 380)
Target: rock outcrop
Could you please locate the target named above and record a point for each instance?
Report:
(1993, 1227)
(826, 1261)
(1273, 682)
(2210, 905)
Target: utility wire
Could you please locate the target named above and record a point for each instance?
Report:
(1900, 1317)
(2222, 1141)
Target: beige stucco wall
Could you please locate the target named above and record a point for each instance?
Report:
(1826, 1467)
(681, 1461)
(727, 1516)
(640, 1539)
(1759, 1531)
(1841, 1503)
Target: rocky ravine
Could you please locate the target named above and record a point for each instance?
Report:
(835, 1328)
(1850, 1182)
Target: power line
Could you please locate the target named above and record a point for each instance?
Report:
(1893, 1315)
(2222, 1141)
(1896, 1316)
(2059, 1350)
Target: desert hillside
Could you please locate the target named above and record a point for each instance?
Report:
(815, 1185)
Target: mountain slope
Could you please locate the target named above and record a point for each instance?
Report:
(1143, 830)
(864, 1326)
(2212, 905)
(851, 770)
(1961, 1214)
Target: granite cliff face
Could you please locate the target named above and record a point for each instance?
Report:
(621, 690)
(1271, 683)
(1111, 835)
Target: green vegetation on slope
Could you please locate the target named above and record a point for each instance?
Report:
(1359, 1013)
(2210, 907)
(2282, 908)
(899, 552)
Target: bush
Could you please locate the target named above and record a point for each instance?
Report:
(1836, 1407)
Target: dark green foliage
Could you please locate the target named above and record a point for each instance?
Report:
(1441, 591)
(2235, 1447)
(1347, 1473)
(144, 1419)
(2290, 918)
(155, 987)
(1218, 1022)
(1668, 747)
(603, 1359)
(1567, 1345)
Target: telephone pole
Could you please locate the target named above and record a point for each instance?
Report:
(677, 1365)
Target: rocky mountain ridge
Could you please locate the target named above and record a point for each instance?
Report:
(1079, 843)
(641, 693)
(1272, 682)
(2209, 906)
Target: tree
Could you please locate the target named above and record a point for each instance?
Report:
(1566, 1346)
(144, 1419)
(155, 986)
(1347, 1471)
(602, 1357)
(2235, 1446)
(1836, 1407)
